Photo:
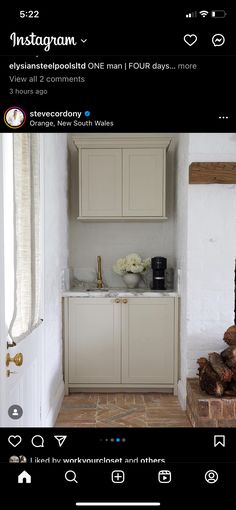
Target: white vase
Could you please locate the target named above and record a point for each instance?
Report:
(131, 280)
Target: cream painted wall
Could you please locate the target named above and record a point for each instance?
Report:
(112, 240)
(206, 249)
(55, 260)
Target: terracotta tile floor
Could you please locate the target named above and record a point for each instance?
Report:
(121, 410)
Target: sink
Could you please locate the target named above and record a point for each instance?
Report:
(98, 293)
(116, 292)
(94, 289)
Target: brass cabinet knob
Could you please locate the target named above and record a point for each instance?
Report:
(17, 359)
(125, 301)
(117, 300)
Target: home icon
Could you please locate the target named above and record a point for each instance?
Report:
(24, 477)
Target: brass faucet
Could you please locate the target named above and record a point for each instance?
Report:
(99, 272)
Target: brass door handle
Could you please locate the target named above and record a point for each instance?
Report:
(117, 300)
(17, 359)
(125, 301)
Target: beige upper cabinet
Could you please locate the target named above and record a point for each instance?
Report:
(122, 178)
(101, 182)
(143, 182)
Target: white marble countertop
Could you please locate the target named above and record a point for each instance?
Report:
(113, 293)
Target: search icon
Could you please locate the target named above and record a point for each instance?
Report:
(37, 441)
(70, 476)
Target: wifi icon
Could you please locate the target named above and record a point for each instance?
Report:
(204, 13)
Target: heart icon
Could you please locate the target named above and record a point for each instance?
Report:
(190, 39)
(14, 440)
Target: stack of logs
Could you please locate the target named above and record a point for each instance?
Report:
(217, 374)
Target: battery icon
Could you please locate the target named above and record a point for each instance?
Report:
(218, 14)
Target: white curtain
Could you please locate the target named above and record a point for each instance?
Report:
(26, 169)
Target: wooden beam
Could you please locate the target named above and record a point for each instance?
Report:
(212, 173)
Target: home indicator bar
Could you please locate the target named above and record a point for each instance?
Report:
(119, 504)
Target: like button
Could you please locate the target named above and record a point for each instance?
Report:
(14, 440)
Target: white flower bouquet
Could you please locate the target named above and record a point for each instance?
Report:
(131, 264)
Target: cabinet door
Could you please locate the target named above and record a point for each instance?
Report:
(94, 341)
(144, 182)
(148, 341)
(101, 182)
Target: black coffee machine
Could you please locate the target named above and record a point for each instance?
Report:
(158, 267)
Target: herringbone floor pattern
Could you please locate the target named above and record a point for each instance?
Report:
(121, 410)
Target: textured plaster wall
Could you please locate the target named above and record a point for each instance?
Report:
(181, 240)
(55, 260)
(211, 250)
(205, 250)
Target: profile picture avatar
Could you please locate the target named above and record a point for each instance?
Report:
(14, 117)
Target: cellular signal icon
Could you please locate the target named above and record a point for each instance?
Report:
(191, 14)
(203, 13)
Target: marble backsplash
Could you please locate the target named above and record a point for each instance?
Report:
(111, 279)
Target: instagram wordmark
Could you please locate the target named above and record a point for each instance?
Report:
(46, 41)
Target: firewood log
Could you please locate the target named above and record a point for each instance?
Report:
(217, 363)
(234, 374)
(230, 335)
(229, 356)
(232, 386)
(202, 362)
(209, 379)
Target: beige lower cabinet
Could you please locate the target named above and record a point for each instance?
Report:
(148, 330)
(94, 353)
(117, 343)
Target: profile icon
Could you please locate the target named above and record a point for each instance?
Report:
(14, 459)
(22, 459)
(14, 117)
